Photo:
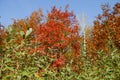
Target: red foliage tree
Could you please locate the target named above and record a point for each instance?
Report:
(59, 32)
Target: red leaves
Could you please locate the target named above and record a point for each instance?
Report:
(59, 62)
(59, 31)
(55, 31)
(65, 16)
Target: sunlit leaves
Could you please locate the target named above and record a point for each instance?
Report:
(106, 31)
(59, 32)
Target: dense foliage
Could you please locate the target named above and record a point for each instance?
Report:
(106, 31)
(49, 47)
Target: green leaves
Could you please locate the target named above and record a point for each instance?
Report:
(24, 58)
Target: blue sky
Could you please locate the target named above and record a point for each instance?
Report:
(19, 9)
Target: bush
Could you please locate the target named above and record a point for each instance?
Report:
(51, 50)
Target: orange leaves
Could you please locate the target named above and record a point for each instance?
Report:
(50, 35)
(62, 16)
(59, 62)
(31, 22)
(24, 24)
(107, 29)
(35, 19)
(59, 31)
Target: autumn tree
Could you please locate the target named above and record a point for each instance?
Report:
(25, 24)
(59, 33)
(106, 30)
(54, 33)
